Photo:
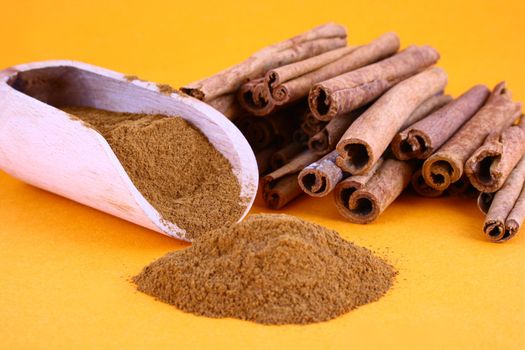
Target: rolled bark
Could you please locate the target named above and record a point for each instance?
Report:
(258, 96)
(311, 43)
(320, 178)
(369, 136)
(361, 199)
(484, 201)
(258, 134)
(276, 129)
(254, 97)
(292, 82)
(326, 140)
(311, 125)
(462, 188)
(516, 216)
(281, 186)
(345, 188)
(428, 106)
(421, 188)
(286, 154)
(447, 164)
(346, 92)
(492, 163)
(506, 208)
(421, 139)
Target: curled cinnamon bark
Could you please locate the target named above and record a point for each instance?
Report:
(447, 164)
(261, 133)
(277, 129)
(227, 82)
(326, 139)
(258, 96)
(281, 186)
(352, 90)
(346, 188)
(421, 188)
(369, 136)
(421, 139)
(484, 201)
(492, 163)
(292, 82)
(516, 216)
(320, 178)
(428, 106)
(506, 208)
(311, 125)
(361, 199)
(462, 188)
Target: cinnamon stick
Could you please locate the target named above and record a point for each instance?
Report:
(281, 186)
(227, 82)
(369, 136)
(446, 165)
(262, 133)
(484, 201)
(346, 188)
(311, 125)
(354, 89)
(506, 208)
(326, 140)
(421, 188)
(277, 128)
(421, 139)
(320, 178)
(292, 82)
(361, 199)
(255, 98)
(462, 188)
(428, 106)
(492, 163)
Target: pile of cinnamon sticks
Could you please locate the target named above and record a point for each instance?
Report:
(365, 121)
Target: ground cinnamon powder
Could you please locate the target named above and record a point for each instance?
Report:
(173, 165)
(270, 268)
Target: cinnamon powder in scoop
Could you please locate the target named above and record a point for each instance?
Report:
(173, 165)
(270, 268)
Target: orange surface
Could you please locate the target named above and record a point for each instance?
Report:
(64, 268)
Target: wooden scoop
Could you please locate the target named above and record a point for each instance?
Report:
(53, 150)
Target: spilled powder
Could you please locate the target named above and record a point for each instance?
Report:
(173, 165)
(166, 89)
(271, 269)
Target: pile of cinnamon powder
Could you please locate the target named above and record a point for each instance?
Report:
(270, 268)
(173, 165)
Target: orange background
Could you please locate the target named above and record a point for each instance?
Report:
(65, 268)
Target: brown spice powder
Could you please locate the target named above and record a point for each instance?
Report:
(167, 89)
(173, 165)
(271, 269)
